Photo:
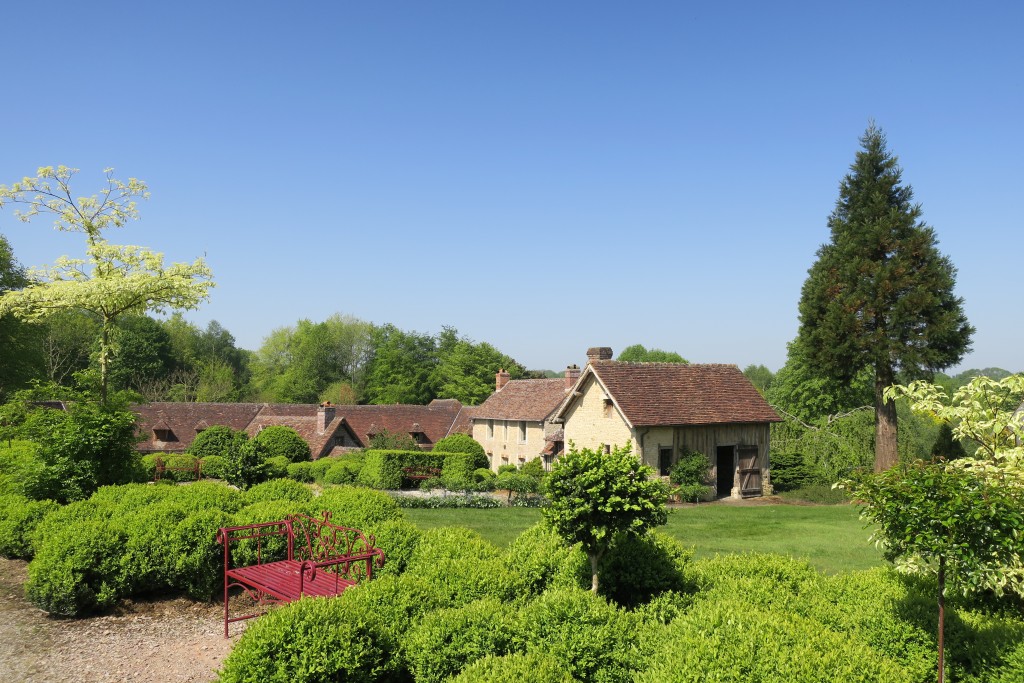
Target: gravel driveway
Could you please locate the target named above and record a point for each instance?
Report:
(159, 641)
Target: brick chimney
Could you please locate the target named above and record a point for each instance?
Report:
(324, 416)
(599, 353)
(501, 379)
(572, 373)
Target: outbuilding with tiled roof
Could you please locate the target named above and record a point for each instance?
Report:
(664, 409)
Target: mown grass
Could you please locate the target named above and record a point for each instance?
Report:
(830, 537)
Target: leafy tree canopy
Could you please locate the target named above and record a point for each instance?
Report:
(595, 496)
(638, 354)
(113, 280)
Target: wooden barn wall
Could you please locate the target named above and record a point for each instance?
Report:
(706, 440)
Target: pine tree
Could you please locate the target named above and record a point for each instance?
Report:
(880, 296)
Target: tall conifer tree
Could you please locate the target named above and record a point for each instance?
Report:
(880, 295)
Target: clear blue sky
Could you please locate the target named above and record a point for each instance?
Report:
(544, 176)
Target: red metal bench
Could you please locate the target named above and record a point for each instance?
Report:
(421, 472)
(323, 559)
(195, 469)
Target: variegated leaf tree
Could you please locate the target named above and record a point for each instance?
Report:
(112, 280)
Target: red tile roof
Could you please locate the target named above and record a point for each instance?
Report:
(661, 394)
(185, 420)
(435, 421)
(523, 399)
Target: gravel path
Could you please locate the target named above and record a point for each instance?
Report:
(159, 641)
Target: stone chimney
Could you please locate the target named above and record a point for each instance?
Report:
(599, 353)
(324, 416)
(501, 379)
(572, 373)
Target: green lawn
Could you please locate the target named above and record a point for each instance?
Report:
(830, 537)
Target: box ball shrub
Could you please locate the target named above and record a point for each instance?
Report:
(278, 489)
(517, 667)
(342, 472)
(284, 441)
(320, 466)
(544, 560)
(463, 443)
(398, 539)
(457, 472)
(447, 640)
(301, 471)
(149, 555)
(357, 507)
(730, 639)
(19, 517)
(198, 557)
(591, 638)
(78, 569)
(636, 568)
(208, 495)
(277, 467)
(214, 467)
(313, 640)
(66, 516)
(216, 440)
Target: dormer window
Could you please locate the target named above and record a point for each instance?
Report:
(420, 438)
(164, 435)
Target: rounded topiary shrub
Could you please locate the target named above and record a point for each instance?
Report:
(69, 515)
(214, 467)
(19, 517)
(198, 557)
(545, 560)
(216, 440)
(715, 636)
(464, 566)
(313, 640)
(78, 569)
(282, 441)
(277, 467)
(515, 668)
(208, 495)
(320, 466)
(636, 568)
(445, 641)
(357, 507)
(591, 638)
(463, 443)
(301, 471)
(149, 552)
(278, 489)
(398, 539)
(342, 472)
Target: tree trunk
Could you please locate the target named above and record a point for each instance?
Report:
(104, 359)
(886, 454)
(594, 559)
(942, 618)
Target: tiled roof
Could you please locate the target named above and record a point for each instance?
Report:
(653, 394)
(523, 399)
(185, 420)
(435, 421)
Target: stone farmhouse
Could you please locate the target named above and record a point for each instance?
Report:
(513, 424)
(662, 409)
(171, 427)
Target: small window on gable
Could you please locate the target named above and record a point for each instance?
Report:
(607, 449)
(420, 438)
(608, 405)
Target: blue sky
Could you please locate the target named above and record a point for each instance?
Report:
(544, 176)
